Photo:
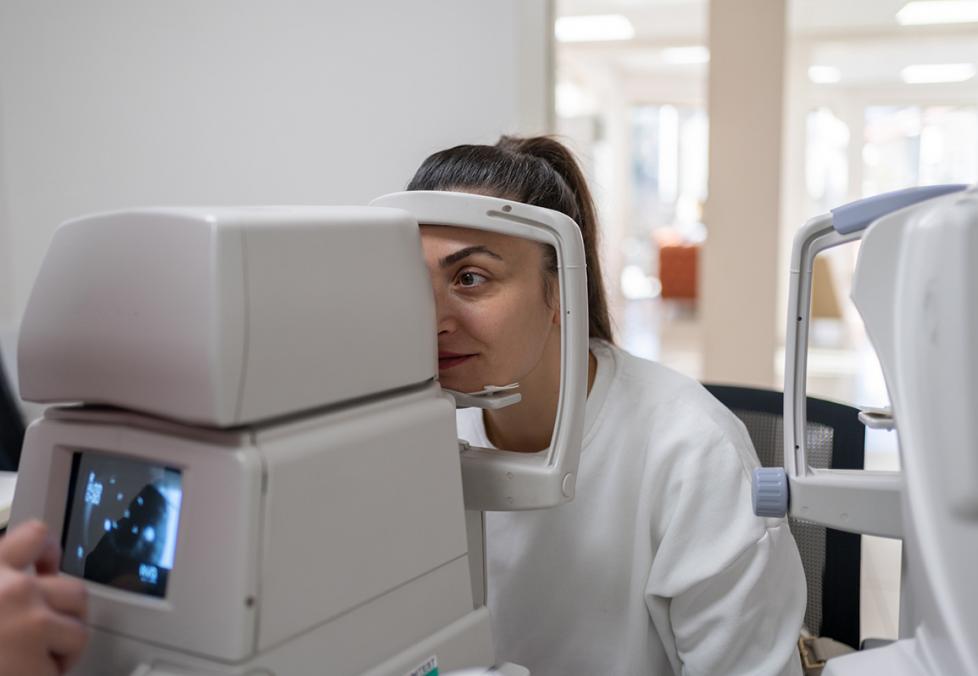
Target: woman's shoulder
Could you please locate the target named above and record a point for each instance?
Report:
(667, 403)
(650, 384)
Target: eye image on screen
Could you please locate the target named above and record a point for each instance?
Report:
(121, 522)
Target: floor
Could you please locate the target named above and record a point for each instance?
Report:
(843, 367)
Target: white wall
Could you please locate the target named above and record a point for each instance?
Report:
(115, 103)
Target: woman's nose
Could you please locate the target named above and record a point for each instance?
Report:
(445, 319)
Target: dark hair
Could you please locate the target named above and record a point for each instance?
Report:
(540, 171)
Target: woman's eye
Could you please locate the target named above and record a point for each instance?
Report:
(471, 279)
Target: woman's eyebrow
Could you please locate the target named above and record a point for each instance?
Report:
(454, 258)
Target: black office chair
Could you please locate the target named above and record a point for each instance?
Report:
(11, 427)
(831, 558)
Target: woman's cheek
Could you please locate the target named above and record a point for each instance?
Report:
(488, 320)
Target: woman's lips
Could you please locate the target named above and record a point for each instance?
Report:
(447, 360)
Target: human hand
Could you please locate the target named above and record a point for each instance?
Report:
(42, 631)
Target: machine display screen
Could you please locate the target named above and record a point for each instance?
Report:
(121, 522)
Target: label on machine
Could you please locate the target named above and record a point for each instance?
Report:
(427, 668)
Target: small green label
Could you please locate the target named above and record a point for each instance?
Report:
(427, 668)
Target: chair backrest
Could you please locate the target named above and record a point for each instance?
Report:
(11, 426)
(831, 558)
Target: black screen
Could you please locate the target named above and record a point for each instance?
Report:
(121, 522)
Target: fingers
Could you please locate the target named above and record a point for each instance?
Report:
(29, 543)
(41, 616)
(66, 639)
(24, 545)
(49, 559)
(64, 595)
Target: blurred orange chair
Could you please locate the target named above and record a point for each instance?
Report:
(678, 263)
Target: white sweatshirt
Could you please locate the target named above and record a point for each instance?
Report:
(658, 566)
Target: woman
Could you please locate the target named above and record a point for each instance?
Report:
(658, 565)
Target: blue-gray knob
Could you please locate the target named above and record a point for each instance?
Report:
(769, 491)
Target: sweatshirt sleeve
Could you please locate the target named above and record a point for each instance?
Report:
(726, 589)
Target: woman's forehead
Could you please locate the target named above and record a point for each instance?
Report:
(446, 236)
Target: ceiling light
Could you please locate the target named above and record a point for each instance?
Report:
(685, 55)
(824, 74)
(922, 12)
(594, 28)
(930, 73)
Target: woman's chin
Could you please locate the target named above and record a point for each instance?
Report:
(452, 382)
(469, 377)
(463, 378)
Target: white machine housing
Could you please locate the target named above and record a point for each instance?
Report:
(916, 289)
(221, 316)
(301, 544)
(282, 360)
(231, 348)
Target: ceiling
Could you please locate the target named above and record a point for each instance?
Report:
(860, 38)
(663, 18)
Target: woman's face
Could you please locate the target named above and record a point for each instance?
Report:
(492, 312)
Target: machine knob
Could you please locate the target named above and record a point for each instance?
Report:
(769, 492)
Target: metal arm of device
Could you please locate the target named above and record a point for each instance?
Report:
(835, 498)
(499, 479)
